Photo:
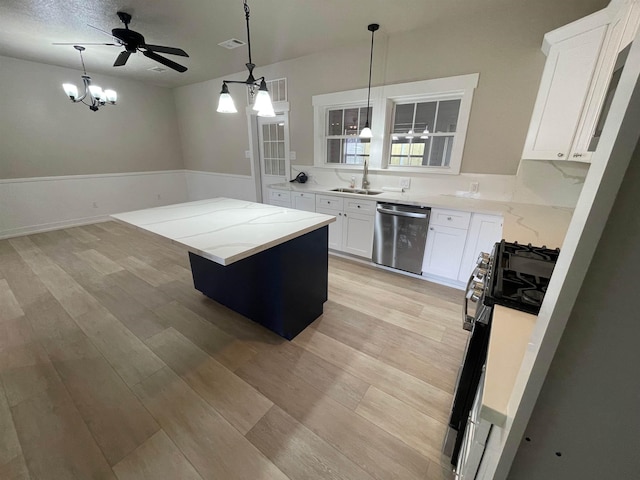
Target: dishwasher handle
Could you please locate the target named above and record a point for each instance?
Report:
(400, 213)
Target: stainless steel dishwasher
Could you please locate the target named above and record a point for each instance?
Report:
(400, 235)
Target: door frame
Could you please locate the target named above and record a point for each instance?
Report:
(281, 108)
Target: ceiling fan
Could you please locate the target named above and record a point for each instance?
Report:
(133, 42)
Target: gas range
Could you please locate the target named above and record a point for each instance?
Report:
(519, 276)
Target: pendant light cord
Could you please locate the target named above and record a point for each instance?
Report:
(370, 65)
(246, 14)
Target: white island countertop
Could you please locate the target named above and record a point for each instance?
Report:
(225, 230)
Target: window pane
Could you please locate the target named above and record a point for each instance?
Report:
(265, 133)
(403, 120)
(333, 150)
(280, 149)
(274, 131)
(441, 151)
(335, 122)
(281, 131)
(355, 149)
(418, 151)
(399, 151)
(351, 121)
(425, 117)
(447, 116)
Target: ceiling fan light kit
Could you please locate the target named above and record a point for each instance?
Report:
(262, 103)
(93, 93)
(366, 131)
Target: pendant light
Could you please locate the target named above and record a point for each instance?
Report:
(366, 131)
(262, 103)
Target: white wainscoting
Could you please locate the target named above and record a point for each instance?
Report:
(29, 205)
(201, 185)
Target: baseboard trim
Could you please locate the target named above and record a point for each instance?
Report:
(48, 227)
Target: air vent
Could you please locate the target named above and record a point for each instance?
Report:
(157, 69)
(232, 43)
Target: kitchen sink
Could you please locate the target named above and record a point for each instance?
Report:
(358, 191)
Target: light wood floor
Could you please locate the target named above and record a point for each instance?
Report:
(113, 366)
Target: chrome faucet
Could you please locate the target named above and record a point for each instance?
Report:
(365, 175)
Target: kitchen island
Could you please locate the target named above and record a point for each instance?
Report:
(265, 262)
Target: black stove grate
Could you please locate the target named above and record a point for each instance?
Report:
(520, 276)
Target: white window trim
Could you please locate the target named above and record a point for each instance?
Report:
(382, 101)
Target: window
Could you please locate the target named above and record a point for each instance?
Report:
(344, 146)
(422, 133)
(417, 126)
(272, 146)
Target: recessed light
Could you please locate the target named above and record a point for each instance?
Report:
(232, 43)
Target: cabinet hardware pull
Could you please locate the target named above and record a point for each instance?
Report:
(448, 218)
(560, 155)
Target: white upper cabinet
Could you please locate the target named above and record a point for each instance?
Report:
(580, 61)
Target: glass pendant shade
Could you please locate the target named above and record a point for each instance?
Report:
(263, 104)
(71, 90)
(111, 96)
(225, 102)
(96, 92)
(366, 132)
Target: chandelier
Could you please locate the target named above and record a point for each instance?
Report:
(92, 93)
(261, 100)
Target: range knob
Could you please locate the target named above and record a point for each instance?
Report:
(480, 272)
(477, 286)
(475, 296)
(483, 260)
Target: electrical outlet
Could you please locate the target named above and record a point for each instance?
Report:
(405, 182)
(293, 155)
(247, 154)
(474, 187)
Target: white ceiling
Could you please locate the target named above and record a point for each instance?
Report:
(280, 30)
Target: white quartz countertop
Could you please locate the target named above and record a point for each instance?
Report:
(225, 230)
(523, 223)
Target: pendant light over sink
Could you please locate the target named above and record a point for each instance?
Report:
(262, 100)
(366, 131)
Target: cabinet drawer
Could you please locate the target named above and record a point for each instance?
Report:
(450, 218)
(327, 201)
(280, 195)
(365, 207)
(311, 196)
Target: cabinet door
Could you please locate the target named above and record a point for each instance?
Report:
(357, 235)
(280, 198)
(304, 201)
(564, 88)
(443, 252)
(335, 228)
(484, 232)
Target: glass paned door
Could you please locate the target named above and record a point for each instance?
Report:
(273, 138)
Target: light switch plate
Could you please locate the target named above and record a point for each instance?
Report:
(247, 154)
(292, 155)
(405, 182)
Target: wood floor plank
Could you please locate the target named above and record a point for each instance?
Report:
(9, 444)
(55, 440)
(9, 306)
(15, 469)
(142, 321)
(144, 271)
(223, 347)
(99, 262)
(128, 355)
(116, 418)
(208, 441)
(371, 448)
(299, 452)
(422, 396)
(419, 431)
(238, 402)
(156, 459)
(24, 283)
(81, 235)
(144, 293)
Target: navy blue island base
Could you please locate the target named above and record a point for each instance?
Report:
(283, 288)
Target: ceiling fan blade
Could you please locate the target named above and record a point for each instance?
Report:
(122, 59)
(87, 43)
(169, 50)
(105, 32)
(164, 61)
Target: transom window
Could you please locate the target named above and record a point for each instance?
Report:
(422, 133)
(417, 126)
(344, 146)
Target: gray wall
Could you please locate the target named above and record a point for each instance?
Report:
(588, 409)
(503, 45)
(43, 134)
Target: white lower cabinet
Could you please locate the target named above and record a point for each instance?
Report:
(446, 239)
(352, 232)
(304, 201)
(280, 198)
(484, 232)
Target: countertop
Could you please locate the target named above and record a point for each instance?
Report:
(524, 223)
(225, 230)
